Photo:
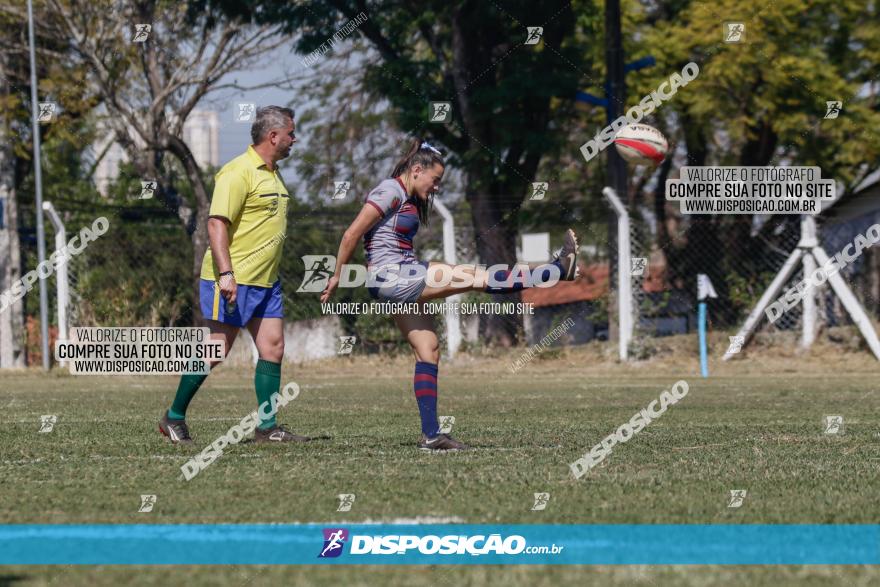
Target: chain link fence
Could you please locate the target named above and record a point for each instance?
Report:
(741, 255)
(140, 273)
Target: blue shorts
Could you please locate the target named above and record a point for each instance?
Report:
(252, 301)
(404, 289)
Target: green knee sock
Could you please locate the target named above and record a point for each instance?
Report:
(267, 380)
(189, 385)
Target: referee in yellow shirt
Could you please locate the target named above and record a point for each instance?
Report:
(239, 281)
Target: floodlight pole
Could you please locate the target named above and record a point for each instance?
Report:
(615, 94)
(614, 104)
(38, 184)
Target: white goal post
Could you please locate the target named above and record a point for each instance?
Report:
(61, 271)
(624, 264)
(811, 255)
(453, 319)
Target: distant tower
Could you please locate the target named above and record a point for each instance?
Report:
(107, 169)
(201, 132)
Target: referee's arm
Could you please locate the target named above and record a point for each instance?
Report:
(218, 237)
(230, 193)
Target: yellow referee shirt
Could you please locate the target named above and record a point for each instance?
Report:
(254, 200)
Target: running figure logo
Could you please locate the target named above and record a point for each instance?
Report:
(141, 33)
(637, 266)
(539, 190)
(334, 541)
(541, 501)
(245, 112)
(148, 190)
(733, 32)
(346, 500)
(833, 425)
(47, 112)
(440, 112)
(147, 503)
(534, 34)
(346, 344)
(737, 496)
(736, 344)
(446, 423)
(833, 109)
(340, 189)
(319, 268)
(47, 422)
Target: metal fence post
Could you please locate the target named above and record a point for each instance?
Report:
(62, 283)
(453, 320)
(624, 264)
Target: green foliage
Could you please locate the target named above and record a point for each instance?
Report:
(744, 291)
(650, 307)
(767, 94)
(135, 274)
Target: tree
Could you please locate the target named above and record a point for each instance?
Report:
(506, 96)
(11, 323)
(761, 102)
(346, 134)
(57, 82)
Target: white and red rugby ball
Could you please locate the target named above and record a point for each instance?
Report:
(641, 144)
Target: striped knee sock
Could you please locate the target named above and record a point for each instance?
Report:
(425, 387)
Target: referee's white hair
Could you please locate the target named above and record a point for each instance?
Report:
(269, 118)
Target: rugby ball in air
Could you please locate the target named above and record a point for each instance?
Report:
(641, 144)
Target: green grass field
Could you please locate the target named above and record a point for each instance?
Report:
(756, 424)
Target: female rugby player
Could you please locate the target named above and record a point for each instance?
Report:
(387, 223)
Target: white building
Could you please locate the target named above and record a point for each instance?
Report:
(201, 133)
(107, 169)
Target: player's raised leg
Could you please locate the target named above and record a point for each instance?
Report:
(422, 336)
(463, 278)
(268, 334)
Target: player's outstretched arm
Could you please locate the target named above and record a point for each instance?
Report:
(366, 218)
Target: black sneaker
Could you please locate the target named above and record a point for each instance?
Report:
(278, 434)
(568, 256)
(441, 442)
(175, 430)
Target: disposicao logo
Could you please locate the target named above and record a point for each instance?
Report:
(334, 540)
(450, 545)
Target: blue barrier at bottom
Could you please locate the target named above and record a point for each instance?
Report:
(288, 544)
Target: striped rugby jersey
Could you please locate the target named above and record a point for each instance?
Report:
(390, 241)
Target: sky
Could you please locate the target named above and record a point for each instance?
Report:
(235, 136)
(283, 62)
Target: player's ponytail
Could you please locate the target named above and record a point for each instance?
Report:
(404, 163)
(419, 153)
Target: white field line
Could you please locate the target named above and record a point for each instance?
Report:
(243, 455)
(411, 521)
(101, 420)
(180, 457)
